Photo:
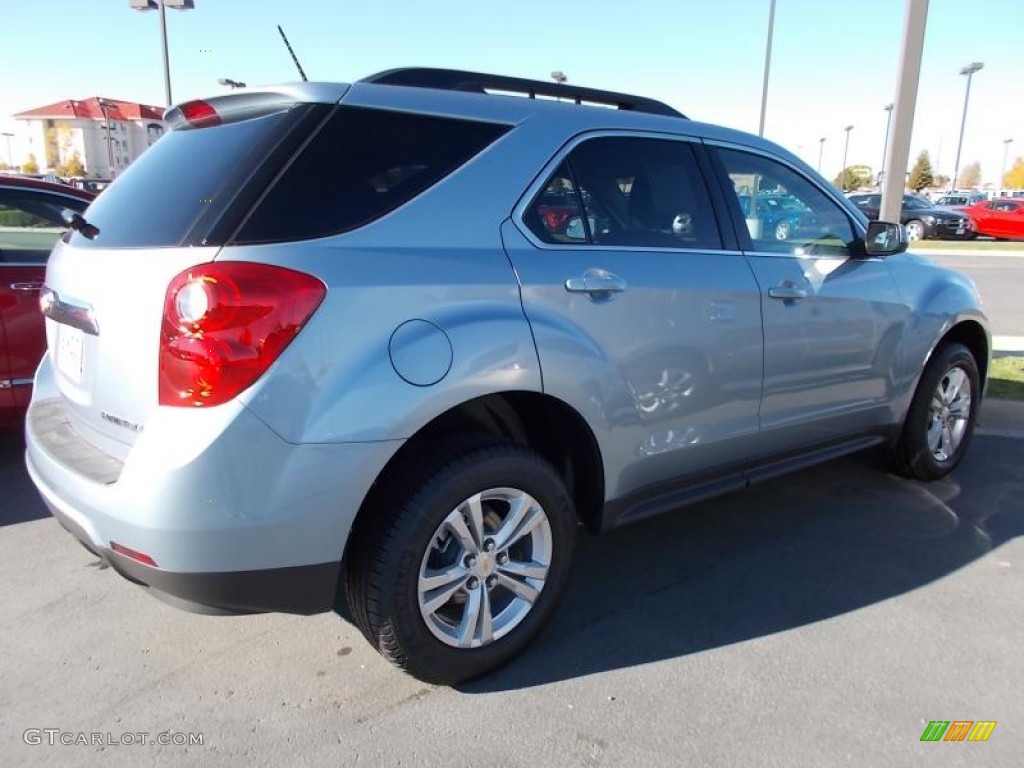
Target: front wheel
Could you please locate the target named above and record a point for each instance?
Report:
(915, 230)
(940, 422)
(455, 576)
(782, 230)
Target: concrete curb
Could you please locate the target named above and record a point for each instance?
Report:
(1008, 344)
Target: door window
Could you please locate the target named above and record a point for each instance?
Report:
(30, 225)
(644, 193)
(784, 212)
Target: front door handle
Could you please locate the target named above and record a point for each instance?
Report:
(28, 286)
(785, 291)
(595, 281)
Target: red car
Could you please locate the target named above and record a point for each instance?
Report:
(1002, 218)
(30, 223)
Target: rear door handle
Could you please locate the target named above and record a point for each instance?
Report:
(28, 286)
(595, 281)
(787, 292)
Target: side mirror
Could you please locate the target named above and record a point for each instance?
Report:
(885, 239)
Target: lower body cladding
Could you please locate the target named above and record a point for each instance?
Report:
(239, 521)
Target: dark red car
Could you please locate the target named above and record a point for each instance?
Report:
(30, 223)
(1002, 218)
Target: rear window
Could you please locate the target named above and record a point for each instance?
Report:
(161, 198)
(361, 165)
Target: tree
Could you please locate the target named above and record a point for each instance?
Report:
(970, 176)
(853, 177)
(31, 165)
(921, 175)
(73, 167)
(1014, 178)
(940, 180)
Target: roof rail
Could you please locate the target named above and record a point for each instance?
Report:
(480, 82)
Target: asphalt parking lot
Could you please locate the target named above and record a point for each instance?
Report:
(822, 619)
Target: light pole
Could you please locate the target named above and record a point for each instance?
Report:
(230, 83)
(767, 66)
(821, 150)
(10, 155)
(885, 146)
(846, 148)
(162, 6)
(969, 70)
(105, 107)
(1002, 171)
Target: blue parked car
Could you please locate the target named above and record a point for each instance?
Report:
(390, 344)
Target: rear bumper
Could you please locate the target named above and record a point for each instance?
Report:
(234, 517)
(304, 589)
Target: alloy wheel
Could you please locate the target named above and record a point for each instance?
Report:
(485, 567)
(949, 414)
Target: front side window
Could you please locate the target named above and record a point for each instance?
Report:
(30, 225)
(791, 214)
(628, 192)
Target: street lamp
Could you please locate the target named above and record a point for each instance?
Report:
(767, 66)
(105, 107)
(1002, 171)
(846, 149)
(969, 70)
(10, 155)
(230, 83)
(162, 6)
(821, 149)
(888, 123)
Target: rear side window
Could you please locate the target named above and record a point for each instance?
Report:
(635, 192)
(160, 198)
(361, 165)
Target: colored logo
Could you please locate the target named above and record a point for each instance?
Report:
(958, 730)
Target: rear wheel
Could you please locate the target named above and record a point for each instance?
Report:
(915, 230)
(941, 418)
(461, 567)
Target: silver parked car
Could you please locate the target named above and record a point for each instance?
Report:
(390, 343)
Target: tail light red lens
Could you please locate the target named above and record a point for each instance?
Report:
(225, 323)
(200, 114)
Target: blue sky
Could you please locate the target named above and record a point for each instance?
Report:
(834, 61)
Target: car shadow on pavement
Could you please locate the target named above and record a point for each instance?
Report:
(777, 556)
(19, 501)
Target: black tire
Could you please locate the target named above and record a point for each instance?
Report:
(398, 525)
(910, 455)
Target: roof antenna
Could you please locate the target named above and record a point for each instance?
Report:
(294, 57)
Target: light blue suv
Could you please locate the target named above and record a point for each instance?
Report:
(391, 343)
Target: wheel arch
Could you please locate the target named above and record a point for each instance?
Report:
(536, 420)
(972, 335)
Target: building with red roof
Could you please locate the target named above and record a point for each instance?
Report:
(105, 134)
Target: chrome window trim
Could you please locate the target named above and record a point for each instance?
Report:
(521, 206)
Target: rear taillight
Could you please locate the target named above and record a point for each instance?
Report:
(225, 323)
